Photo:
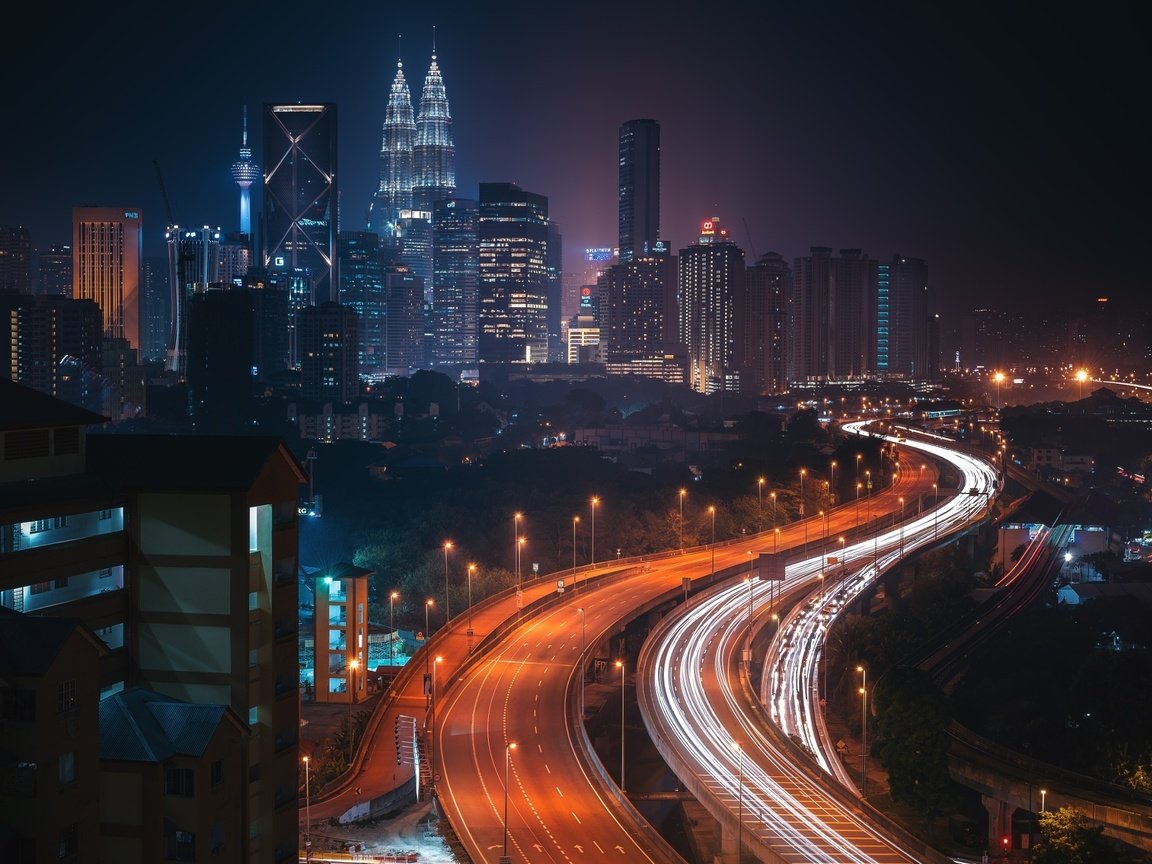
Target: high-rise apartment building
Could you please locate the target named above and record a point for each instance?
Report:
(54, 346)
(634, 307)
(15, 260)
(221, 356)
(455, 258)
(107, 249)
(639, 188)
(709, 281)
(329, 353)
(833, 316)
(155, 309)
(760, 322)
(513, 283)
(553, 291)
(394, 190)
(300, 192)
(905, 321)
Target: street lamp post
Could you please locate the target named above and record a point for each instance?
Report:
(1081, 377)
(772, 495)
(516, 545)
(427, 631)
(471, 570)
(620, 665)
(519, 552)
(575, 522)
(504, 859)
(803, 471)
(683, 492)
(432, 742)
(1043, 802)
(998, 377)
(447, 613)
(739, 798)
(863, 731)
(935, 509)
(858, 488)
(901, 525)
(392, 626)
(594, 502)
(307, 811)
(759, 504)
(712, 510)
(353, 664)
(832, 484)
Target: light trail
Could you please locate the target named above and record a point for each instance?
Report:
(692, 705)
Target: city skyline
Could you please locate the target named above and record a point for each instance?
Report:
(996, 147)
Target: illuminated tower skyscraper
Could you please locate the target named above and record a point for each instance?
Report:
(434, 156)
(107, 248)
(709, 281)
(395, 189)
(245, 172)
(639, 189)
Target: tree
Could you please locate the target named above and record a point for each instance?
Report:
(1068, 839)
(912, 716)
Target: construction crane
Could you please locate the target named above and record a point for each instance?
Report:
(164, 193)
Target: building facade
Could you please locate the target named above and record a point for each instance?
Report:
(455, 258)
(639, 188)
(107, 251)
(329, 353)
(709, 281)
(761, 322)
(513, 275)
(300, 192)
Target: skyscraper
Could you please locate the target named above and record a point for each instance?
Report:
(245, 172)
(633, 308)
(760, 322)
(394, 191)
(904, 320)
(329, 353)
(300, 192)
(639, 189)
(513, 282)
(54, 271)
(403, 320)
(832, 316)
(15, 260)
(455, 263)
(106, 256)
(193, 264)
(362, 289)
(709, 279)
(434, 155)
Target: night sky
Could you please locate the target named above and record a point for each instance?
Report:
(1004, 145)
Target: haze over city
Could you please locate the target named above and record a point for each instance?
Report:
(999, 144)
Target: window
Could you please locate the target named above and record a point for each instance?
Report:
(69, 841)
(106, 573)
(66, 768)
(66, 696)
(181, 846)
(217, 772)
(39, 525)
(179, 781)
(41, 588)
(18, 705)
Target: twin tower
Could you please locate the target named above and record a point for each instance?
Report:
(417, 157)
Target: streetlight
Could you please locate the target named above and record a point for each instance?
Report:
(594, 502)
(683, 492)
(471, 570)
(772, 495)
(575, 522)
(859, 456)
(863, 730)
(439, 660)
(353, 665)
(803, 471)
(901, 525)
(391, 626)
(504, 859)
(427, 630)
(1081, 376)
(1043, 803)
(520, 541)
(516, 543)
(832, 484)
(447, 613)
(620, 665)
(998, 377)
(859, 486)
(307, 811)
(759, 504)
(712, 510)
(935, 509)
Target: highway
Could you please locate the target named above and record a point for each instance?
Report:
(560, 803)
